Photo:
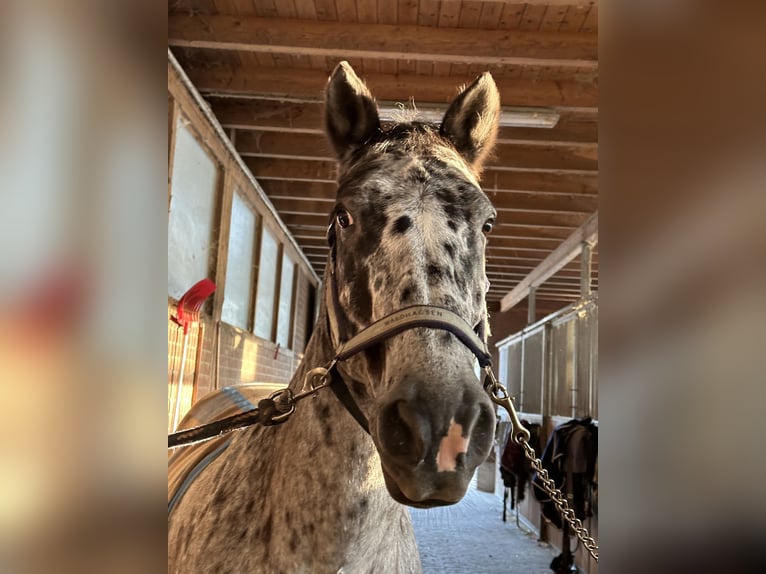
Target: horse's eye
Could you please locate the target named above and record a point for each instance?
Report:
(487, 227)
(344, 219)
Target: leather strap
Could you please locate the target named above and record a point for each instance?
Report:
(428, 316)
(338, 386)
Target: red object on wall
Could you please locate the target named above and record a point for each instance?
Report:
(190, 303)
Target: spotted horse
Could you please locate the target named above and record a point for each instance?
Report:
(409, 421)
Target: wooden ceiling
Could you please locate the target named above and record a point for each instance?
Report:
(262, 66)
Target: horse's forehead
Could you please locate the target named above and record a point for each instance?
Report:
(399, 182)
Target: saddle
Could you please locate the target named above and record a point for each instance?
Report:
(515, 468)
(186, 463)
(570, 457)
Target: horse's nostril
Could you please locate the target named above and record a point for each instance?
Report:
(401, 432)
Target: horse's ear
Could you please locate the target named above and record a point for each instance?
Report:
(471, 121)
(351, 116)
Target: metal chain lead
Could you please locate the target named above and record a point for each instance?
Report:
(561, 504)
(499, 395)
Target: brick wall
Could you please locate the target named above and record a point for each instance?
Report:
(243, 356)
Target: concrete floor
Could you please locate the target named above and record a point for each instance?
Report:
(471, 538)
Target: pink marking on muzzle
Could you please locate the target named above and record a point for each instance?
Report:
(450, 446)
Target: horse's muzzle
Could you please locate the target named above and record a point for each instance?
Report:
(431, 437)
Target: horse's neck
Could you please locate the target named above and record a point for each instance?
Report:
(326, 494)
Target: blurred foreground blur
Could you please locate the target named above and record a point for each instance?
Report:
(82, 282)
(683, 287)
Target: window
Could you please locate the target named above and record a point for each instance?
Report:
(240, 268)
(267, 282)
(193, 213)
(285, 313)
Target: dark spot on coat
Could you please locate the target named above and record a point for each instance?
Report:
(264, 534)
(407, 293)
(452, 225)
(220, 496)
(437, 273)
(360, 302)
(358, 388)
(375, 360)
(328, 438)
(450, 249)
(418, 175)
(402, 224)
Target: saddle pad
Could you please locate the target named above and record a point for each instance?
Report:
(186, 463)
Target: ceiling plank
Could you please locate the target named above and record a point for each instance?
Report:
(492, 181)
(308, 85)
(311, 146)
(307, 189)
(511, 201)
(542, 2)
(568, 250)
(274, 115)
(383, 41)
(571, 221)
(275, 144)
(307, 117)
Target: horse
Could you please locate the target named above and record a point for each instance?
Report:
(328, 490)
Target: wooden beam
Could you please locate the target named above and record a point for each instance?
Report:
(577, 3)
(299, 189)
(303, 206)
(526, 254)
(301, 216)
(292, 170)
(510, 232)
(517, 244)
(339, 40)
(508, 282)
(541, 201)
(293, 196)
(511, 266)
(307, 84)
(524, 236)
(284, 145)
(243, 114)
(307, 117)
(562, 255)
(492, 180)
(313, 146)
